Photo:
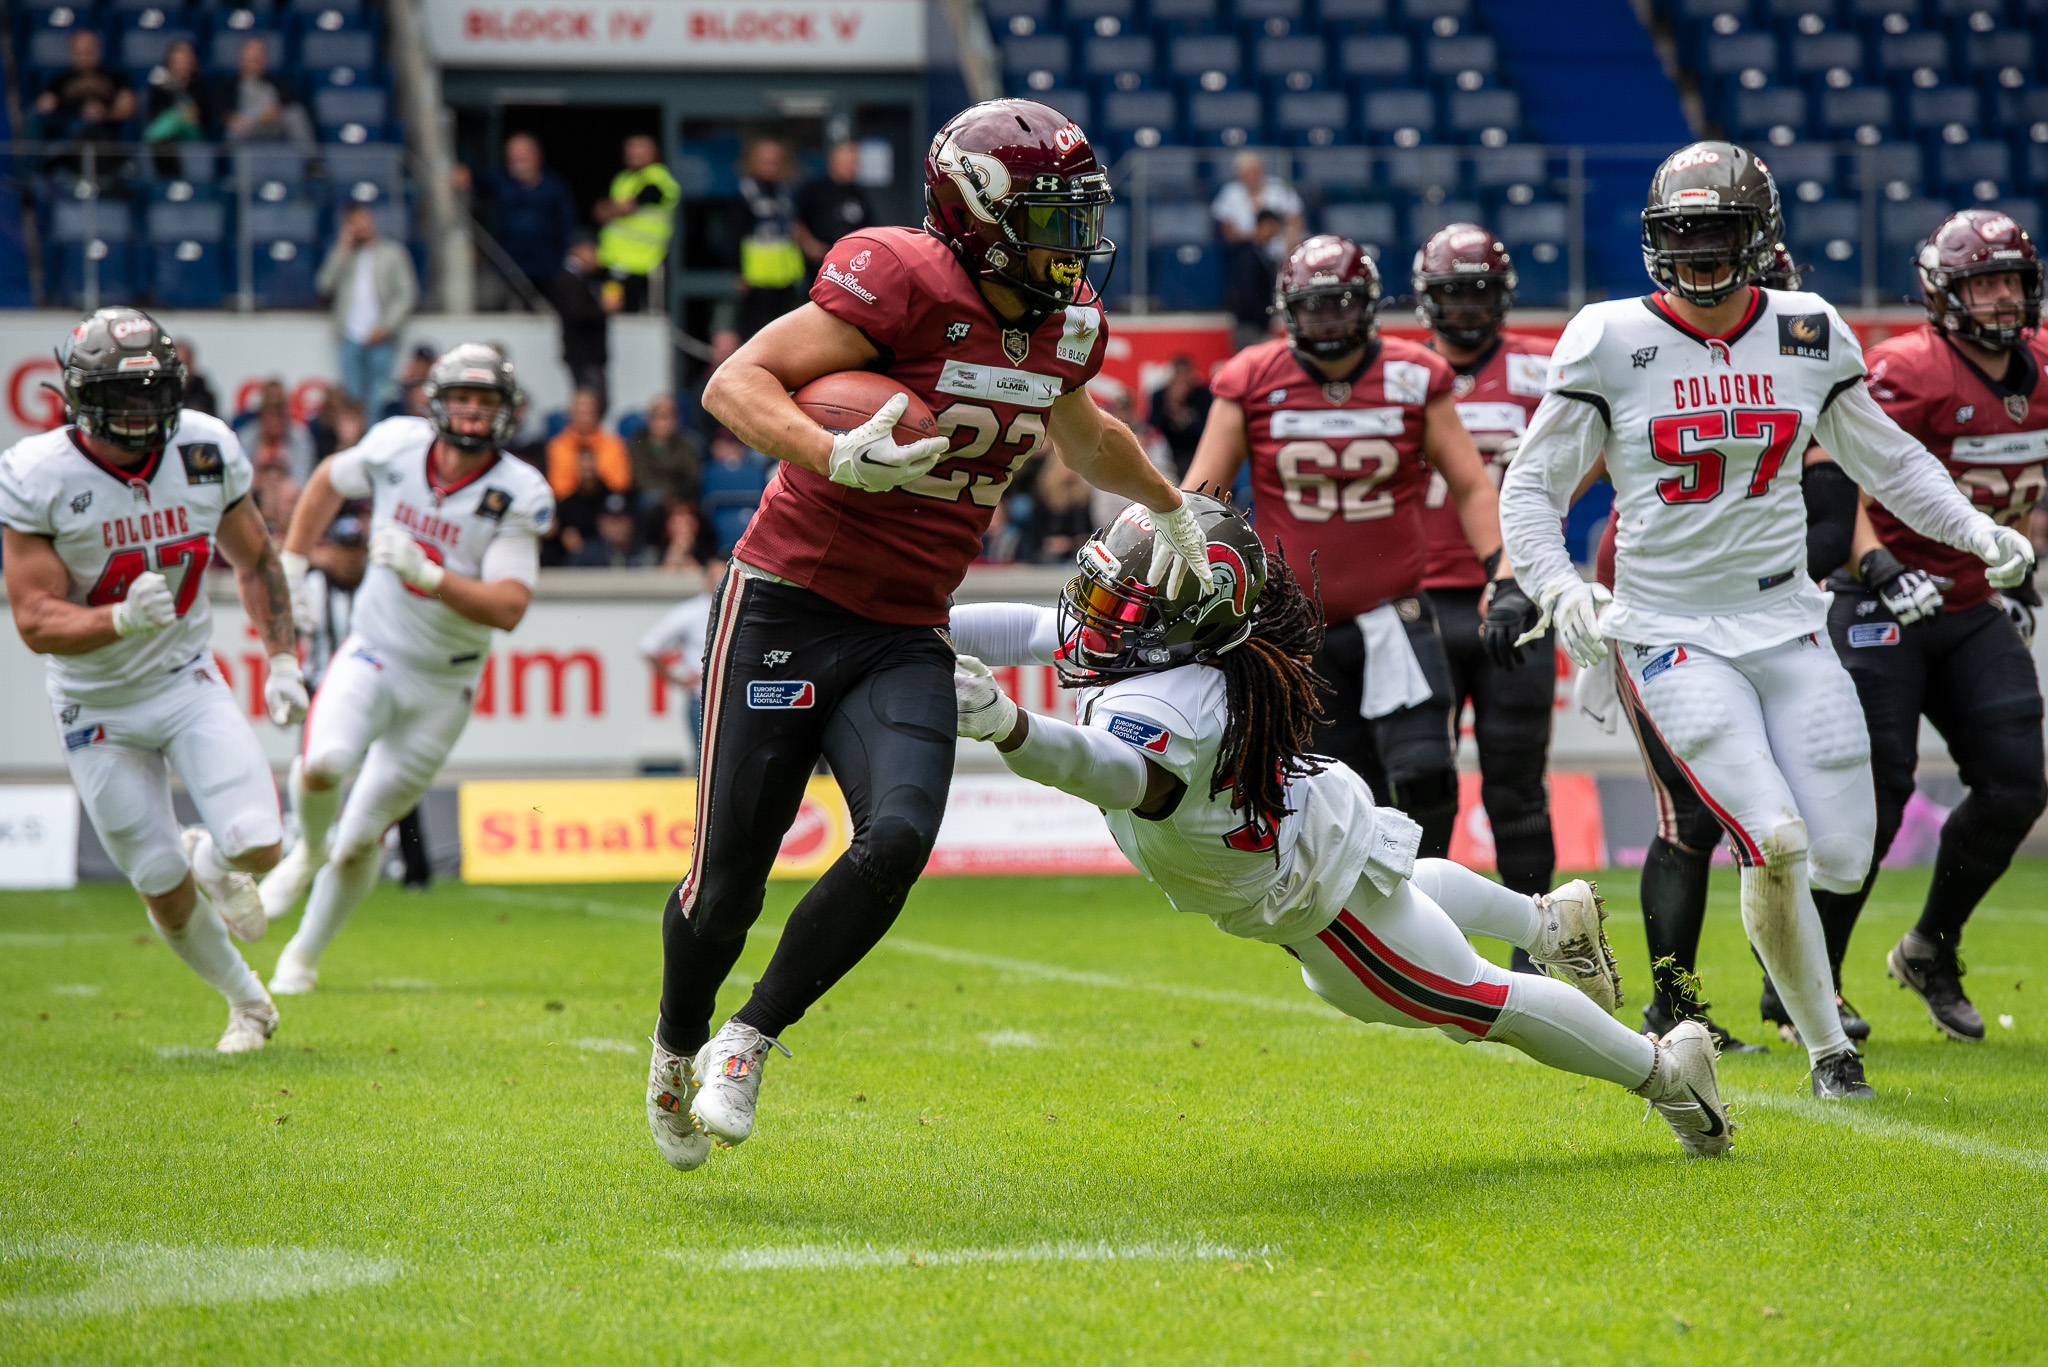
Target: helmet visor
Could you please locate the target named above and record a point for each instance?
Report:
(1327, 314)
(1060, 227)
(131, 410)
(1105, 614)
(1706, 234)
(1466, 303)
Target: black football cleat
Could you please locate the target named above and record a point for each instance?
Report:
(1772, 1009)
(1853, 1024)
(1659, 1022)
(1937, 980)
(1839, 1077)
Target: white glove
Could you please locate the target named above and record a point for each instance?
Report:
(1574, 609)
(284, 690)
(394, 549)
(148, 606)
(985, 711)
(869, 458)
(1183, 535)
(295, 566)
(2021, 613)
(2007, 554)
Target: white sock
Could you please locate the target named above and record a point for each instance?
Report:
(337, 891)
(1784, 925)
(1477, 904)
(315, 808)
(1555, 1024)
(202, 942)
(207, 865)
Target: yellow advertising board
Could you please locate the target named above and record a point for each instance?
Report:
(619, 830)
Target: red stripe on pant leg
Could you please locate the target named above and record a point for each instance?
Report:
(712, 709)
(1667, 807)
(1392, 996)
(1482, 992)
(1749, 846)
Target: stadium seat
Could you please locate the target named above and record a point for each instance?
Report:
(1188, 277)
(1106, 57)
(1961, 170)
(1425, 218)
(1862, 111)
(1453, 56)
(353, 49)
(1318, 118)
(1270, 15)
(1899, 53)
(1952, 112)
(1298, 56)
(1183, 15)
(1170, 223)
(1421, 170)
(286, 253)
(1815, 54)
(187, 249)
(1205, 55)
(1811, 226)
(1075, 104)
(1998, 51)
(1428, 12)
(1495, 168)
(269, 165)
(1086, 11)
(335, 106)
(1734, 53)
(1485, 111)
(1140, 118)
(1001, 13)
(1403, 116)
(1353, 11)
(99, 231)
(1371, 226)
(1802, 164)
(1380, 57)
(364, 172)
(1759, 111)
(1887, 164)
(1025, 58)
(1229, 118)
(142, 48)
(1339, 170)
(224, 51)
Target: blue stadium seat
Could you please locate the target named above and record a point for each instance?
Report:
(1188, 277)
(1138, 118)
(1901, 228)
(1485, 111)
(1495, 168)
(1426, 218)
(1912, 52)
(337, 105)
(1453, 56)
(223, 52)
(366, 171)
(1427, 12)
(1809, 227)
(1801, 163)
(1319, 118)
(1369, 225)
(1075, 104)
(1382, 57)
(269, 165)
(1183, 15)
(1084, 12)
(1399, 115)
(142, 48)
(1103, 57)
(1952, 111)
(187, 249)
(1961, 169)
(286, 237)
(1854, 110)
(1171, 223)
(1297, 56)
(1535, 234)
(1421, 170)
(99, 230)
(1998, 50)
(1886, 164)
(1172, 171)
(1813, 54)
(1047, 53)
(1226, 118)
(1001, 13)
(1334, 170)
(1273, 17)
(1757, 111)
(1353, 11)
(352, 48)
(1201, 55)
(1738, 52)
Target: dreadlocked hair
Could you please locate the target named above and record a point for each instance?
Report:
(1274, 701)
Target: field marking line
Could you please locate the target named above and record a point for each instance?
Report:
(1014, 1039)
(592, 1044)
(831, 1257)
(1053, 973)
(136, 1276)
(1890, 1127)
(75, 989)
(1988, 913)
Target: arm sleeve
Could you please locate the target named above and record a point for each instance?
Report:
(349, 472)
(1090, 764)
(1006, 633)
(511, 555)
(877, 299)
(1830, 517)
(1564, 439)
(1898, 471)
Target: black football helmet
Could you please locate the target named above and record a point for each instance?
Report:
(473, 365)
(123, 379)
(1713, 210)
(1112, 624)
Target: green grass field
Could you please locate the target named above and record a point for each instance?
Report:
(1048, 1121)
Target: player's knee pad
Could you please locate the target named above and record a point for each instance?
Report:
(158, 869)
(324, 767)
(1838, 862)
(1428, 790)
(1994, 818)
(1691, 825)
(892, 852)
(1833, 734)
(1687, 713)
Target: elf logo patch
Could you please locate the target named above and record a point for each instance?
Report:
(770, 694)
(1142, 734)
(84, 736)
(1864, 635)
(1669, 659)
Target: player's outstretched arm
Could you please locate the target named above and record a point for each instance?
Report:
(1222, 449)
(1005, 633)
(1092, 765)
(36, 583)
(266, 596)
(1101, 450)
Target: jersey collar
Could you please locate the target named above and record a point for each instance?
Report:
(1315, 373)
(440, 490)
(139, 474)
(1656, 305)
(2021, 374)
(1479, 362)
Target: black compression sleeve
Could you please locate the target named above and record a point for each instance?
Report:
(1830, 518)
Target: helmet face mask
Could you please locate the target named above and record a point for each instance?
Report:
(1712, 223)
(1328, 295)
(123, 380)
(455, 390)
(1980, 279)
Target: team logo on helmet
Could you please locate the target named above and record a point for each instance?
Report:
(983, 180)
(1694, 156)
(1995, 227)
(1068, 138)
(1233, 566)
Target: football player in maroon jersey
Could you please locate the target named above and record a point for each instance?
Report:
(827, 636)
(1464, 286)
(1917, 625)
(1343, 428)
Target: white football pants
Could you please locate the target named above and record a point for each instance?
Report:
(1775, 745)
(121, 759)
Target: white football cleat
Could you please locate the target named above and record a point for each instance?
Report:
(1682, 1087)
(249, 1028)
(233, 894)
(728, 1077)
(294, 975)
(285, 886)
(1573, 947)
(670, 1090)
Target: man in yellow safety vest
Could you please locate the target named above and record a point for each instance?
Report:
(638, 219)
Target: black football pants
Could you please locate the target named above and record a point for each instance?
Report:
(790, 676)
(1511, 711)
(1406, 756)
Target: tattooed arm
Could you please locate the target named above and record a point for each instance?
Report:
(259, 576)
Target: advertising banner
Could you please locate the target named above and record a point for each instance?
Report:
(38, 836)
(725, 35)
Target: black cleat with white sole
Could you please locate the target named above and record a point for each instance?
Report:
(1839, 1077)
(1772, 1008)
(1936, 978)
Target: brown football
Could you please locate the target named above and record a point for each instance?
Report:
(845, 399)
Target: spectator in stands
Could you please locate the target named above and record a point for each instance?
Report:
(576, 514)
(638, 218)
(270, 434)
(276, 494)
(1248, 289)
(86, 103)
(617, 545)
(198, 391)
(683, 530)
(338, 425)
(577, 290)
(829, 209)
(733, 484)
(1179, 409)
(586, 436)
(1236, 206)
(177, 107)
(531, 211)
(371, 280)
(260, 106)
(408, 401)
(1060, 517)
(667, 461)
(773, 274)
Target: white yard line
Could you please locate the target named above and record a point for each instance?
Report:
(136, 1276)
(1026, 968)
(1851, 1116)
(830, 1257)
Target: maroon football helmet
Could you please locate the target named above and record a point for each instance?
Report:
(1006, 176)
(1980, 242)
(1464, 285)
(1328, 294)
(1783, 273)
